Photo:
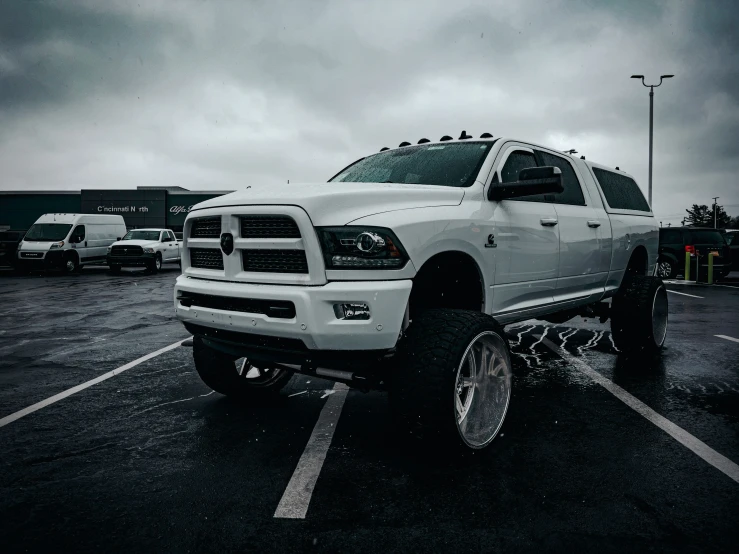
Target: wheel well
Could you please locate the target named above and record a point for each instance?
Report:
(72, 254)
(448, 280)
(639, 262)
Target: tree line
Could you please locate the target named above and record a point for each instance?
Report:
(701, 215)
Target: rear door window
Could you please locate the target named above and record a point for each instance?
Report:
(621, 192)
(706, 236)
(670, 236)
(572, 193)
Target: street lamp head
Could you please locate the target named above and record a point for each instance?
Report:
(637, 76)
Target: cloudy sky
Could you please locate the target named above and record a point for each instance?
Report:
(218, 95)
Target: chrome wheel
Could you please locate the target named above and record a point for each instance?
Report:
(158, 263)
(257, 376)
(69, 265)
(659, 316)
(664, 270)
(483, 389)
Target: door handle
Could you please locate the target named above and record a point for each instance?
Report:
(548, 221)
(593, 223)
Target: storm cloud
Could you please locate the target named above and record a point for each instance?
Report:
(220, 95)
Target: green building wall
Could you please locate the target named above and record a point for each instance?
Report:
(20, 210)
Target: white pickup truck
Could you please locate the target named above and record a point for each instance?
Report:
(149, 248)
(401, 271)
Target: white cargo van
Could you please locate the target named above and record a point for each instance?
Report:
(69, 241)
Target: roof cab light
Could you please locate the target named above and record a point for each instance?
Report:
(361, 248)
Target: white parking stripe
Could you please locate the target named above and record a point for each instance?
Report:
(726, 337)
(683, 293)
(296, 498)
(708, 454)
(69, 392)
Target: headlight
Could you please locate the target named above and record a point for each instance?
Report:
(56, 245)
(361, 248)
(110, 248)
(148, 250)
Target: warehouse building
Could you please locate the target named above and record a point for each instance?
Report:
(141, 207)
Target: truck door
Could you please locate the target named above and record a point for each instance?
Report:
(166, 247)
(78, 242)
(527, 241)
(583, 269)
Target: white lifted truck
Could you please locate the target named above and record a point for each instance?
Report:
(401, 271)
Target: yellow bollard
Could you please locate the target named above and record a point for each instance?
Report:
(687, 266)
(711, 255)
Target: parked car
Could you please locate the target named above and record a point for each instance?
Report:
(69, 241)
(674, 242)
(9, 241)
(400, 273)
(148, 248)
(732, 238)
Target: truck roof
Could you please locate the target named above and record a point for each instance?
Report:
(81, 218)
(491, 140)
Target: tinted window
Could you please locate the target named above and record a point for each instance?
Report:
(705, 236)
(451, 165)
(517, 161)
(79, 233)
(734, 239)
(48, 232)
(572, 190)
(621, 192)
(670, 236)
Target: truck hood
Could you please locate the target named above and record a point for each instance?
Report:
(36, 246)
(341, 203)
(142, 243)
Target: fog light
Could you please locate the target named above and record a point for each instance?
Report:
(352, 311)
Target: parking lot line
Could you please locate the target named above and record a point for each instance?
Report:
(69, 392)
(296, 498)
(708, 454)
(683, 293)
(727, 337)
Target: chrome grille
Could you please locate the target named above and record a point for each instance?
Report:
(206, 258)
(206, 228)
(274, 261)
(269, 227)
(126, 251)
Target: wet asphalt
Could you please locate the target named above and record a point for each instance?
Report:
(152, 459)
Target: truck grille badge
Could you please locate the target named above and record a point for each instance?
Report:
(227, 243)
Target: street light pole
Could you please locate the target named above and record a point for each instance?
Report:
(651, 123)
(715, 198)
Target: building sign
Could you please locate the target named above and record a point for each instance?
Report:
(179, 205)
(139, 208)
(123, 209)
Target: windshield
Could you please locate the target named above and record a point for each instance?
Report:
(142, 235)
(448, 165)
(707, 236)
(48, 232)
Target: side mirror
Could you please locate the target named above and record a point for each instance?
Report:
(532, 180)
(119, 238)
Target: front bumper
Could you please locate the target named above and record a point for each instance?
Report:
(52, 259)
(130, 261)
(314, 323)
